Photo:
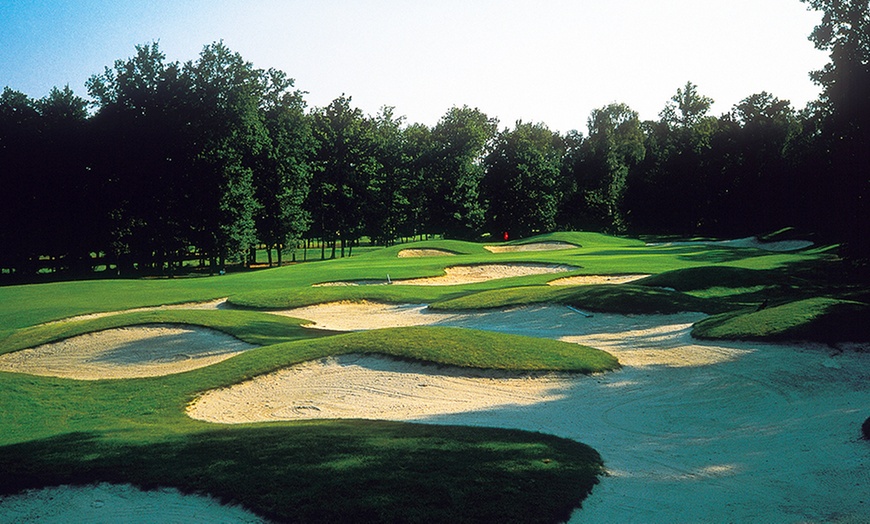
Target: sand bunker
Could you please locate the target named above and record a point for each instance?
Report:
(117, 503)
(465, 275)
(414, 253)
(690, 431)
(535, 246)
(587, 280)
(129, 352)
(748, 242)
(372, 387)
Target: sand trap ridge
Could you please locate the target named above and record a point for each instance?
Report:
(748, 242)
(587, 280)
(415, 253)
(129, 352)
(534, 246)
(472, 274)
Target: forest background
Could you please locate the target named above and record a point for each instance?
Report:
(210, 159)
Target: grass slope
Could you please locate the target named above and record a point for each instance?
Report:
(816, 319)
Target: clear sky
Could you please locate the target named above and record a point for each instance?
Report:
(550, 61)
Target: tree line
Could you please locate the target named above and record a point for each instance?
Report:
(210, 158)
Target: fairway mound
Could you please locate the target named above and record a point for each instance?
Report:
(129, 352)
(118, 503)
(589, 280)
(373, 387)
(414, 253)
(472, 274)
(534, 246)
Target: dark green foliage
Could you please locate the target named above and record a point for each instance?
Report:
(843, 117)
(453, 174)
(596, 170)
(865, 429)
(521, 181)
(344, 166)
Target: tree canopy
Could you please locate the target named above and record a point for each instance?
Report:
(211, 158)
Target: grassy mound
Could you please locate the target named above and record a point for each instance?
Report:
(249, 326)
(816, 319)
(350, 471)
(472, 349)
(625, 299)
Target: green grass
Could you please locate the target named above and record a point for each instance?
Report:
(65, 431)
(473, 349)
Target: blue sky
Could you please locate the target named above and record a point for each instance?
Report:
(550, 61)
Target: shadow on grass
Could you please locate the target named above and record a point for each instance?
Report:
(347, 471)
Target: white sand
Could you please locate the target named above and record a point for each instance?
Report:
(129, 352)
(534, 246)
(465, 275)
(690, 431)
(372, 387)
(587, 280)
(112, 503)
(416, 253)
